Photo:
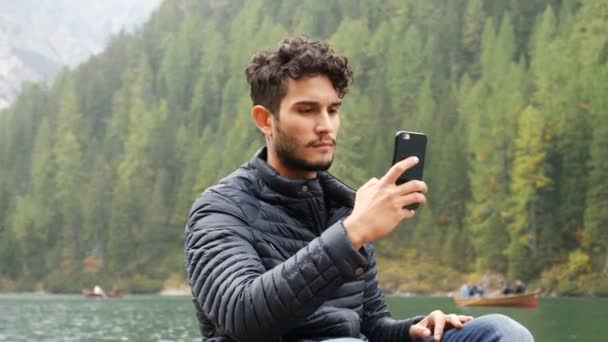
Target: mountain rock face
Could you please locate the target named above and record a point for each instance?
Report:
(38, 37)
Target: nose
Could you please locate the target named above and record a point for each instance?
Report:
(325, 123)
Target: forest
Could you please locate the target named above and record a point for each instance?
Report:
(99, 170)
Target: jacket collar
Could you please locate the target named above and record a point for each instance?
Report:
(325, 182)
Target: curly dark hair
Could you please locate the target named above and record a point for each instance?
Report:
(295, 57)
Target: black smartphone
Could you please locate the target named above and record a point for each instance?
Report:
(409, 144)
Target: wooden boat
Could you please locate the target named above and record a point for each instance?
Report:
(111, 294)
(528, 299)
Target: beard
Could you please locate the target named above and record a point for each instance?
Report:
(286, 146)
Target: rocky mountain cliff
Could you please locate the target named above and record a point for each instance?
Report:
(38, 37)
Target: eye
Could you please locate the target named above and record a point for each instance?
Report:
(333, 111)
(307, 110)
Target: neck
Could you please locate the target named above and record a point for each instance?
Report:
(274, 161)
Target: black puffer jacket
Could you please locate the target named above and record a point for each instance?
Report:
(268, 257)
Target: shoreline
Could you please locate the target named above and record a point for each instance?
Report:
(177, 291)
(184, 291)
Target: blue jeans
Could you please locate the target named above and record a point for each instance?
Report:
(488, 328)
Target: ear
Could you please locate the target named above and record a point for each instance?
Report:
(263, 119)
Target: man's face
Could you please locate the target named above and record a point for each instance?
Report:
(304, 134)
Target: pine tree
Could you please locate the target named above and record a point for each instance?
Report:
(68, 179)
(154, 234)
(504, 49)
(96, 209)
(133, 175)
(524, 14)
(425, 14)
(209, 162)
(190, 148)
(473, 24)
(351, 164)
(595, 234)
(182, 55)
(206, 101)
(357, 115)
(486, 55)
(596, 217)
(322, 20)
(405, 71)
(10, 254)
(491, 133)
(43, 200)
(18, 139)
(589, 35)
(528, 176)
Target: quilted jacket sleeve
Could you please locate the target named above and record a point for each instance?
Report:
(377, 323)
(237, 294)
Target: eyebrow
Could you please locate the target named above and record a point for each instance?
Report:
(315, 103)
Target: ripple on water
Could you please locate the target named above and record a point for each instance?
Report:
(74, 318)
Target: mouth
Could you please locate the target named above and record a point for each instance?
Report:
(323, 144)
(326, 143)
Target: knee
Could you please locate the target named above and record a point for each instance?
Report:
(505, 328)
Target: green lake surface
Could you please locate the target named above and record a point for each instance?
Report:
(30, 317)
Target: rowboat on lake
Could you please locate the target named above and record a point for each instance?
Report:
(91, 294)
(528, 299)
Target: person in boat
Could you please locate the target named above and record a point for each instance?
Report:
(281, 250)
(519, 286)
(476, 290)
(98, 291)
(465, 291)
(506, 289)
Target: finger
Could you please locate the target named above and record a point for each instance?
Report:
(454, 321)
(407, 214)
(412, 186)
(439, 326)
(398, 169)
(465, 318)
(414, 197)
(418, 331)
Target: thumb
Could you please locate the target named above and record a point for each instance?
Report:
(418, 331)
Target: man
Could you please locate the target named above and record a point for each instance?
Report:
(98, 291)
(519, 286)
(465, 291)
(280, 250)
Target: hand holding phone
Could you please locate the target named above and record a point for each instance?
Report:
(408, 144)
(379, 204)
(378, 208)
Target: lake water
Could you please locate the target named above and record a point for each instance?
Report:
(31, 317)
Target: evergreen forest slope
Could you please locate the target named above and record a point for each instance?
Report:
(98, 171)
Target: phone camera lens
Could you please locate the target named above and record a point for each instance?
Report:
(406, 136)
